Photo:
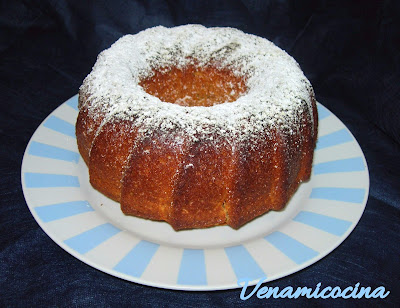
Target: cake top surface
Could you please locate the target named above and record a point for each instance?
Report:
(277, 90)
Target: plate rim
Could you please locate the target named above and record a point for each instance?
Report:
(187, 287)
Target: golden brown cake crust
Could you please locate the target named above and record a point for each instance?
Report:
(168, 144)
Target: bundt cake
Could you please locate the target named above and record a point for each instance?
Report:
(197, 126)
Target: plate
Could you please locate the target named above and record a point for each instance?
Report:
(92, 228)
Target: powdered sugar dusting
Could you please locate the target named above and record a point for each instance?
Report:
(277, 89)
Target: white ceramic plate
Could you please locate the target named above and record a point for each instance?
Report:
(92, 228)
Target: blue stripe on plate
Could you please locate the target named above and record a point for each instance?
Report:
(49, 151)
(343, 165)
(322, 112)
(332, 139)
(328, 224)
(296, 251)
(59, 125)
(43, 180)
(243, 264)
(354, 195)
(136, 261)
(61, 210)
(193, 267)
(92, 238)
(73, 102)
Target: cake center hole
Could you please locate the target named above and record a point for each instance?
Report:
(195, 86)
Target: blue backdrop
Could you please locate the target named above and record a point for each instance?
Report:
(350, 53)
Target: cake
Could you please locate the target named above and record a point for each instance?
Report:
(197, 126)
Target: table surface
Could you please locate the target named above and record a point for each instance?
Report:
(352, 60)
